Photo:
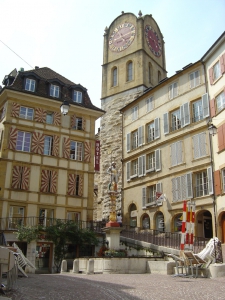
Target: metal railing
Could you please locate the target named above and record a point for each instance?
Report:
(166, 239)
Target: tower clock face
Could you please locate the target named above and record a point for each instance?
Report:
(122, 37)
(153, 41)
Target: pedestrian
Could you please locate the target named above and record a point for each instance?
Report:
(119, 220)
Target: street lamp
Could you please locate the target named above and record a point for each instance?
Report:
(65, 107)
(213, 130)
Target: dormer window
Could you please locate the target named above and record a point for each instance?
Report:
(77, 97)
(30, 85)
(54, 91)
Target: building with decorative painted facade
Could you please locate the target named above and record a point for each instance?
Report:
(47, 159)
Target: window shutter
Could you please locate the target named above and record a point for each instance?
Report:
(174, 189)
(179, 152)
(192, 80)
(197, 78)
(144, 164)
(140, 166)
(16, 177)
(128, 142)
(166, 123)
(128, 170)
(57, 119)
(25, 178)
(37, 145)
(157, 160)
(66, 147)
(175, 93)
(212, 107)
(73, 121)
(81, 183)
(40, 115)
(173, 155)
(159, 187)
(171, 91)
(210, 182)
(55, 148)
(12, 138)
(53, 182)
(211, 76)
(186, 114)
(222, 63)
(196, 146)
(83, 124)
(140, 136)
(144, 197)
(45, 180)
(15, 110)
(205, 105)
(217, 182)
(71, 184)
(202, 144)
(87, 152)
(221, 137)
(157, 128)
(189, 192)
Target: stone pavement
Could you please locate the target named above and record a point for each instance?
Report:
(69, 286)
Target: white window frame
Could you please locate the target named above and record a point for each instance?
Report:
(77, 96)
(49, 117)
(153, 130)
(201, 184)
(54, 91)
(134, 113)
(194, 79)
(197, 110)
(26, 113)
(216, 71)
(114, 76)
(150, 104)
(21, 143)
(150, 162)
(130, 71)
(134, 139)
(134, 168)
(175, 117)
(76, 150)
(220, 101)
(48, 145)
(173, 90)
(30, 85)
(199, 145)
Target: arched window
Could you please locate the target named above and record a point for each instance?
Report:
(178, 222)
(145, 221)
(159, 76)
(129, 71)
(114, 77)
(133, 215)
(160, 221)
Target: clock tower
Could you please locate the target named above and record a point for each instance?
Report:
(133, 61)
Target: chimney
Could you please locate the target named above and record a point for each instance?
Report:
(36, 67)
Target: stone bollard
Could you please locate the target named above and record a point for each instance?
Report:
(76, 266)
(90, 266)
(64, 266)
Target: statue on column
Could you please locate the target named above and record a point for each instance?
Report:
(114, 177)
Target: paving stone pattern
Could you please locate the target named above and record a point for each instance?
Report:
(116, 287)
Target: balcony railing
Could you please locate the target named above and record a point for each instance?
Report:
(12, 224)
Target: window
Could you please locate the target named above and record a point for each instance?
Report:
(20, 177)
(176, 153)
(173, 90)
(199, 145)
(153, 162)
(151, 194)
(182, 187)
(23, 141)
(30, 85)
(129, 71)
(175, 120)
(78, 124)
(26, 113)
(76, 150)
(16, 217)
(114, 77)
(194, 79)
(134, 139)
(149, 73)
(134, 112)
(197, 110)
(134, 168)
(220, 102)
(49, 117)
(49, 181)
(54, 91)
(73, 216)
(46, 216)
(203, 183)
(75, 185)
(153, 130)
(150, 104)
(223, 179)
(216, 71)
(48, 145)
(77, 97)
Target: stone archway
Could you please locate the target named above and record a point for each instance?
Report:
(204, 225)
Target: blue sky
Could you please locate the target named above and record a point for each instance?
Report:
(67, 36)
